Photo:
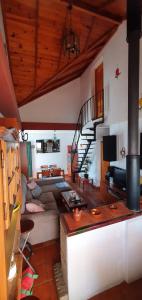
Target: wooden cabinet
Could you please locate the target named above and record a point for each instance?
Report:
(10, 202)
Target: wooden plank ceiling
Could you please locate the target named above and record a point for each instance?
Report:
(34, 31)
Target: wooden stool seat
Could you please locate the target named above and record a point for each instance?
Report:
(26, 225)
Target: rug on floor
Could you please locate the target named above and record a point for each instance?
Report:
(60, 284)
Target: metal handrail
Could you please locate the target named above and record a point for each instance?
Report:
(87, 113)
(80, 123)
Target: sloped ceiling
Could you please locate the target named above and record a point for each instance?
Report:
(34, 31)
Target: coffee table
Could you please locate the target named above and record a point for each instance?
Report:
(71, 203)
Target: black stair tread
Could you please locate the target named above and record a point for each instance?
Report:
(87, 139)
(91, 128)
(87, 134)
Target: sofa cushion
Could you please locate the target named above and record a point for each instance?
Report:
(51, 206)
(48, 200)
(36, 192)
(33, 207)
(48, 188)
(47, 197)
(32, 185)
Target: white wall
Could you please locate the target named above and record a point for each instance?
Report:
(103, 257)
(120, 130)
(113, 55)
(59, 158)
(60, 106)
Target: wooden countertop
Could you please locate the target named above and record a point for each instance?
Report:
(88, 221)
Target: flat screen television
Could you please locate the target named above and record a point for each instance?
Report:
(47, 146)
(109, 148)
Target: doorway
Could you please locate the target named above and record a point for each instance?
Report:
(99, 85)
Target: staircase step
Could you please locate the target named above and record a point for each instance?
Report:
(87, 134)
(98, 120)
(88, 140)
(91, 128)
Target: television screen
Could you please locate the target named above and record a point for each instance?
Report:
(109, 148)
(47, 146)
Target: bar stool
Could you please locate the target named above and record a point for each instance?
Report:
(26, 228)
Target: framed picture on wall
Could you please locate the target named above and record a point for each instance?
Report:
(48, 146)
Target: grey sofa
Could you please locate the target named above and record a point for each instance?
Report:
(46, 223)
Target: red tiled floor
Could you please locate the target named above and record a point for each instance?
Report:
(46, 291)
(45, 255)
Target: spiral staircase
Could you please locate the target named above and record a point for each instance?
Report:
(90, 117)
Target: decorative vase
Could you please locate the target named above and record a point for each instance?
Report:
(77, 214)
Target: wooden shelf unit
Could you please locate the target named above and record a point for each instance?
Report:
(10, 195)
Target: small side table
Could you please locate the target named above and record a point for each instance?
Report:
(26, 227)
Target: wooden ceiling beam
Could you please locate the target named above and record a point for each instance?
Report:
(90, 51)
(89, 33)
(36, 41)
(48, 126)
(3, 6)
(104, 4)
(91, 10)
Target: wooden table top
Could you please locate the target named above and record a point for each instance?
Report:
(71, 202)
(106, 215)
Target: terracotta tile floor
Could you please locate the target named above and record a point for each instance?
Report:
(44, 256)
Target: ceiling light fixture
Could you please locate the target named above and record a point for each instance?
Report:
(71, 43)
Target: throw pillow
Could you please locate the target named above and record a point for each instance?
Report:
(32, 185)
(37, 202)
(36, 191)
(32, 207)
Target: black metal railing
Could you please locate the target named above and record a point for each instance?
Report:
(89, 111)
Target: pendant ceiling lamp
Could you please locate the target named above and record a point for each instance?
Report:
(70, 38)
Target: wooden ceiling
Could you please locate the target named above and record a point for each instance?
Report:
(34, 31)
